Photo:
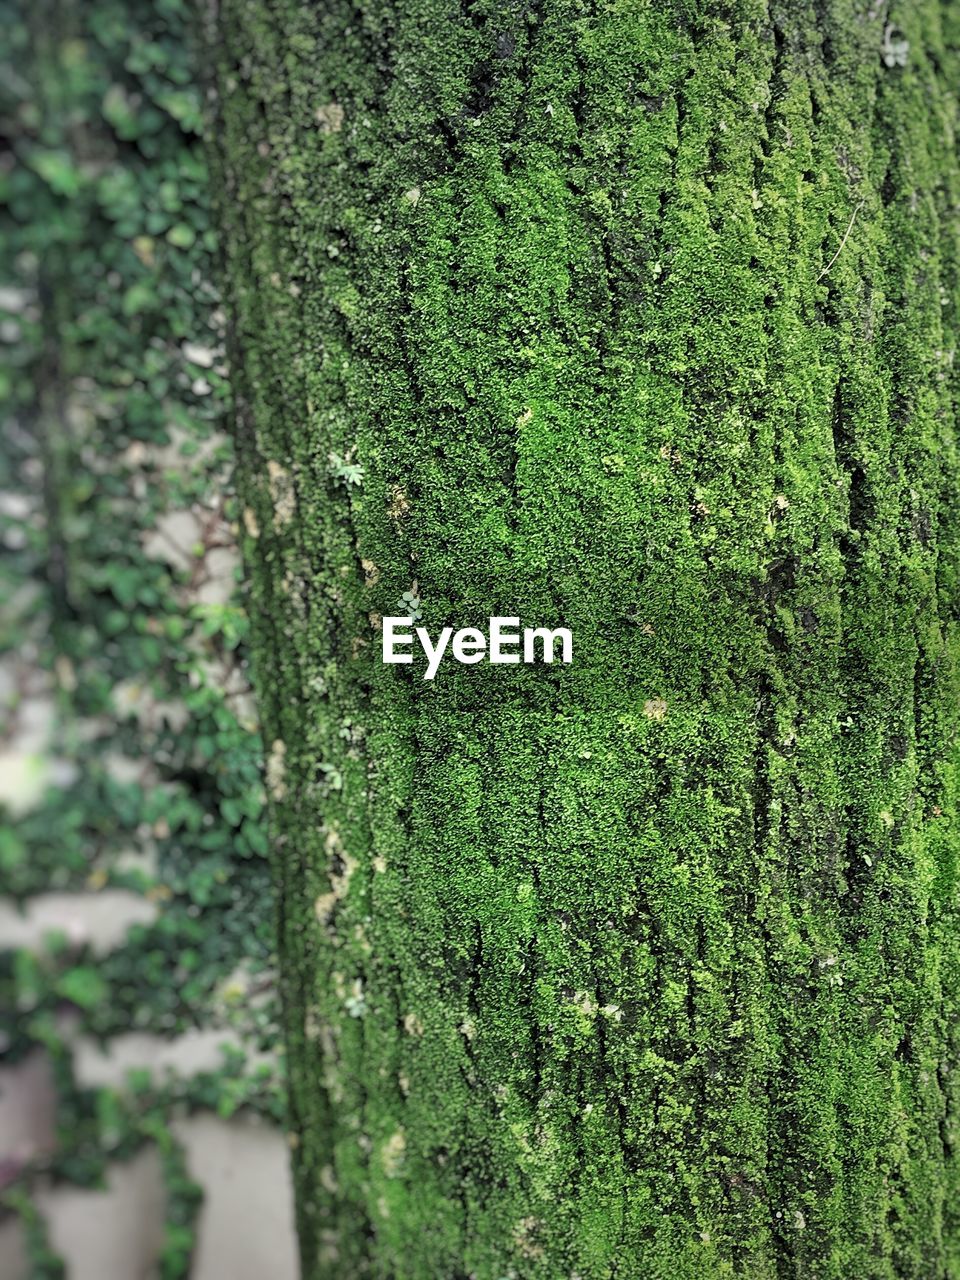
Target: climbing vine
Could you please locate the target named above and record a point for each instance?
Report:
(131, 754)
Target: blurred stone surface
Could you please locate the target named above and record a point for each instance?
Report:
(246, 1224)
(28, 1103)
(174, 538)
(114, 1234)
(195, 1051)
(219, 584)
(246, 1227)
(100, 919)
(13, 1252)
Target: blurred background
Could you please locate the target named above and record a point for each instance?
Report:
(141, 1099)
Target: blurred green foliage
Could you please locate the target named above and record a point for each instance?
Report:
(114, 384)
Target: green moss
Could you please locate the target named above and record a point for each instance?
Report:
(637, 318)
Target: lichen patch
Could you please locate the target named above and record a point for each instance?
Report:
(412, 1024)
(281, 493)
(329, 117)
(392, 1153)
(276, 770)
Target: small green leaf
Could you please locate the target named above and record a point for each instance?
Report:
(181, 235)
(82, 986)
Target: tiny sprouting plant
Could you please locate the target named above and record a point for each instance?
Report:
(896, 48)
(410, 603)
(329, 776)
(349, 474)
(356, 1005)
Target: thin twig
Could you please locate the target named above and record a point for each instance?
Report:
(853, 218)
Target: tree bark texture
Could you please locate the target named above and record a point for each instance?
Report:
(639, 318)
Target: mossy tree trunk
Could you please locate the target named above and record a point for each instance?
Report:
(640, 318)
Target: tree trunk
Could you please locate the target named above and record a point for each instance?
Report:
(636, 319)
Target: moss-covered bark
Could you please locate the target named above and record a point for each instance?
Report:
(638, 317)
